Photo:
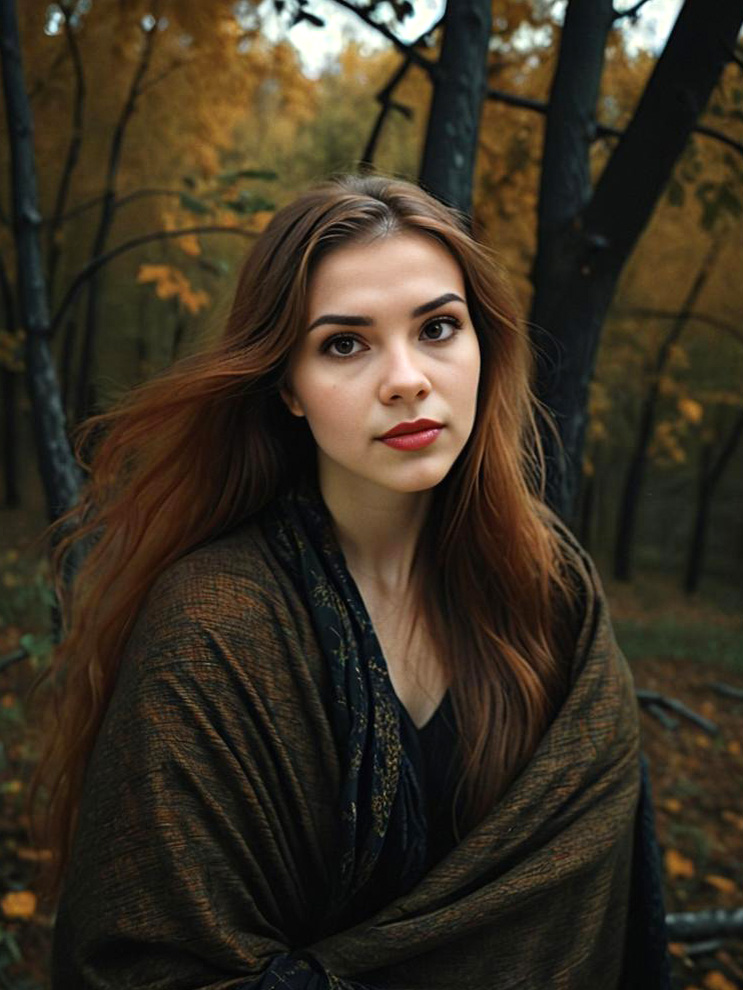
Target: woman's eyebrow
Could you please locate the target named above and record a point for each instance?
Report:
(367, 321)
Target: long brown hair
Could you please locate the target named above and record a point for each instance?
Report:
(193, 452)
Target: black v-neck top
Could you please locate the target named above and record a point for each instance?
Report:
(434, 752)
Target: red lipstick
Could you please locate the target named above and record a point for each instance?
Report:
(416, 427)
(412, 436)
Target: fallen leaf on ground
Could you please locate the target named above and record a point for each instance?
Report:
(717, 981)
(724, 884)
(732, 819)
(678, 865)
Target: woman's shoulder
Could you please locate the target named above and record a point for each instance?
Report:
(229, 587)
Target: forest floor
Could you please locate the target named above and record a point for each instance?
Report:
(677, 645)
(680, 647)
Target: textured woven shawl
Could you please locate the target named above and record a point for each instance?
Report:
(248, 799)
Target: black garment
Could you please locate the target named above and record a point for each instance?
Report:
(435, 754)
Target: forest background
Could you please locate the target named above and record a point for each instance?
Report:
(152, 119)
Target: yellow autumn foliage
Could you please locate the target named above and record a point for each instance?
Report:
(170, 282)
(18, 904)
(691, 410)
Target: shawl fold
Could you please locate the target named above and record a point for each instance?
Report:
(248, 790)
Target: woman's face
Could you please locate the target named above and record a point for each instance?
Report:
(389, 339)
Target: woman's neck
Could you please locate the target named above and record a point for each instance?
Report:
(378, 531)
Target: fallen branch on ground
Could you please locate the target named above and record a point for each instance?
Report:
(654, 698)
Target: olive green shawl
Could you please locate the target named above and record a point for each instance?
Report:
(248, 784)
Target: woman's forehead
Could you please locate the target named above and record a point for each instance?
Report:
(403, 264)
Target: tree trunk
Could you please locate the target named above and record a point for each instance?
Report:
(8, 379)
(584, 246)
(632, 489)
(60, 475)
(710, 475)
(459, 88)
(699, 534)
(86, 397)
(564, 353)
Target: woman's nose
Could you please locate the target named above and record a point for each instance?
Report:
(403, 376)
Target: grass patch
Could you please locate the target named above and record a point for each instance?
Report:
(667, 639)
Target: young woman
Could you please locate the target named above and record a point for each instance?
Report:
(342, 705)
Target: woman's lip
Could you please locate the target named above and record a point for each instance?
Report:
(413, 441)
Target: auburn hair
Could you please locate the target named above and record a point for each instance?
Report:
(193, 452)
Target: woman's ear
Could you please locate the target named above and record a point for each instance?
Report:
(291, 401)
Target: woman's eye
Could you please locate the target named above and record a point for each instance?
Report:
(443, 321)
(341, 340)
(341, 345)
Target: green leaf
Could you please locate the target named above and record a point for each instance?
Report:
(189, 202)
(246, 173)
(248, 202)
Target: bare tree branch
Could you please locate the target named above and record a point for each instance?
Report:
(173, 67)
(384, 98)
(401, 46)
(630, 12)
(719, 136)
(84, 398)
(118, 201)
(604, 130)
(672, 314)
(95, 264)
(705, 924)
(73, 153)
(41, 84)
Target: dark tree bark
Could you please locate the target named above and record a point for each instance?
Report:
(71, 159)
(85, 398)
(459, 88)
(59, 472)
(632, 488)
(565, 353)
(711, 471)
(585, 242)
(8, 381)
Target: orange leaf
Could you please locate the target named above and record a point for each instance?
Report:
(716, 981)
(673, 805)
(152, 273)
(734, 747)
(721, 883)
(189, 244)
(18, 904)
(260, 220)
(691, 410)
(33, 855)
(678, 865)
